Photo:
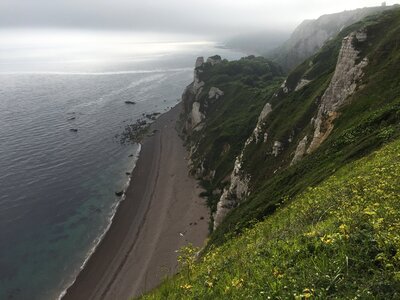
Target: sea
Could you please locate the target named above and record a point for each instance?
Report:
(62, 111)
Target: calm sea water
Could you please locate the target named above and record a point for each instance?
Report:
(57, 186)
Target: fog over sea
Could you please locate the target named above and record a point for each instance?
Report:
(57, 187)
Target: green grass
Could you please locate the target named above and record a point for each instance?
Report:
(338, 240)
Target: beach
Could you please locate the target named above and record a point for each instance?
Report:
(162, 212)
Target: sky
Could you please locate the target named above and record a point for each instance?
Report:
(206, 18)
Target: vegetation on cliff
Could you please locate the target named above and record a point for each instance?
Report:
(247, 84)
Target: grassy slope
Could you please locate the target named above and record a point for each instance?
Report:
(371, 119)
(338, 240)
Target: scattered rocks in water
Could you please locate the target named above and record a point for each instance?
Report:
(73, 130)
(201, 218)
(133, 133)
(152, 116)
(119, 194)
(130, 102)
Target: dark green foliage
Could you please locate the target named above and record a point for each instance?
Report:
(251, 66)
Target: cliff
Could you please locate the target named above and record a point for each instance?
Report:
(221, 107)
(345, 80)
(311, 35)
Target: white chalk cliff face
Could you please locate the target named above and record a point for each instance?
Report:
(239, 180)
(300, 151)
(343, 84)
(236, 191)
(192, 93)
(190, 97)
(257, 133)
(196, 115)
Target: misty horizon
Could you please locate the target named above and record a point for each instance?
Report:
(205, 20)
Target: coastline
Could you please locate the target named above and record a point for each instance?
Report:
(160, 213)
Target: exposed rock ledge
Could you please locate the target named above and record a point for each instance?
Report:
(193, 107)
(231, 197)
(215, 93)
(303, 82)
(300, 151)
(196, 115)
(343, 84)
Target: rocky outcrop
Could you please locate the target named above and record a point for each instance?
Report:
(196, 115)
(213, 60)
(258, 129)
(301, 84)
(277, 148)
(199, 62)
(236, 191)
(300, 151)
(284, 88)
(192, 108)
(343, 84)
(215, 93)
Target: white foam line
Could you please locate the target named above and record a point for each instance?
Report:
(98, 240)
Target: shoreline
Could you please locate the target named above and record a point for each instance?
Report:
(98, 240)
(160, 213)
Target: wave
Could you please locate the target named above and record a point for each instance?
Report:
(98, 240)
(97, 73)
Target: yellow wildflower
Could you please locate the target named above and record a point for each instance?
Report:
(186, 286)
(209, 283)
(277, 273)
(327, 239)
(237, 283)
(308, 293)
